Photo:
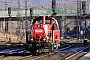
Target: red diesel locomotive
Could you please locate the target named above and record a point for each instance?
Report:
(44, 35)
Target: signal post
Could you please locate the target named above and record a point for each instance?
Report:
(84, 18)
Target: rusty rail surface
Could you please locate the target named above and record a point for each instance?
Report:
(75, 56)
(50, 56)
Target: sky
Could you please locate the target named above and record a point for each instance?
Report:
(36, 3)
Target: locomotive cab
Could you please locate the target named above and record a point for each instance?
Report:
(44, 35)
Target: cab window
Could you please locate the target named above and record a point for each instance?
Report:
(38, 22)
(47, 21)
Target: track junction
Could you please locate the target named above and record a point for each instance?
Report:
(66, 52)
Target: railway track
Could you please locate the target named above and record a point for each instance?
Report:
(22, 55)
(8, 46)
(19, 54)
(50, 56)
(76, 56)
(11, 49)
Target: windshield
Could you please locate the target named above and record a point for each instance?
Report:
(47, 21)
(38, 22)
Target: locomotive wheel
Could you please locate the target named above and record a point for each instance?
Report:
(27, 47)
(33, 51)
(36, 52)
(50, 50)
(48, 46)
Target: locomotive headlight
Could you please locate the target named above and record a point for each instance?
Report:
(31, 39)
(44, 39)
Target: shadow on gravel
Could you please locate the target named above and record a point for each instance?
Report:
(18, 54)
